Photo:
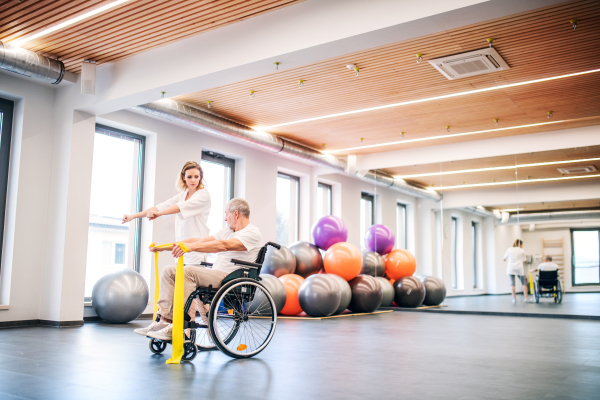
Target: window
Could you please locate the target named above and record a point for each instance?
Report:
(218, 177)
(6, 117)
(323, 200)
(287, 208)
(117, 187)
(367, 213)
(401, 228)
(474, 255)
(586, 256)
(454, 252)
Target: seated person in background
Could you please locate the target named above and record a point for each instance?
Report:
(547, 265)
(239, 240)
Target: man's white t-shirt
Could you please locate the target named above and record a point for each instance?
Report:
(548, 266)
(191, 221)
(251, 239)
(515, 257)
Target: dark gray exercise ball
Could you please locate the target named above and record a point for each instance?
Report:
(319, 296)
(366, 294)
(259, 304)
(409, 292)
(120, 297)
(388, 291)
(308, 259)
(435, 290)
(373, 263)
(279, 262)
(345, 292)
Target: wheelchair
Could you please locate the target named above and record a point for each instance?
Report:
(547, 285)
(241, 318)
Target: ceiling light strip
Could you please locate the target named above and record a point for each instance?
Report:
(447, 96)
(513, 182)
(463, 171)
(370, 146)
(20, 42)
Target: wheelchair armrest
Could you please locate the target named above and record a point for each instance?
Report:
(206, 264)
(277, 246)
(246, 263)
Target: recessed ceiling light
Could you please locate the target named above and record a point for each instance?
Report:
(451, 136)
(20, 42)
(464, 171)
(447, 96)
(514, 182)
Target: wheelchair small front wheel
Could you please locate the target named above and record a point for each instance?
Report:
(190, 351)
(157, 346)
(249, 323)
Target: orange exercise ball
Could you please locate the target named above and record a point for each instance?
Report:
(291, 283)
(400, 263)
(343, 259)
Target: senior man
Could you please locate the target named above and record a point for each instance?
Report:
(239, 240)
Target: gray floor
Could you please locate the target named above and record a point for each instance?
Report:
(574, 305)
(385, 356)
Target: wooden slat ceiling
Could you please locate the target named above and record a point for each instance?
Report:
(506, 175)
(128, 29)
(592, 204)
(536, 44)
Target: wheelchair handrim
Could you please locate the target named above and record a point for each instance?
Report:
(223, 343)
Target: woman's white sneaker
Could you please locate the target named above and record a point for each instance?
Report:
(154, 326)
(165, 333)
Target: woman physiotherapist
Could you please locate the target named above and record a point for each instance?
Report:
(191, 206)
(515, 257)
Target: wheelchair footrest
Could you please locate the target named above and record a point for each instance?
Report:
(195, 325)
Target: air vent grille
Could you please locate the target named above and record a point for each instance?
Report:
(469, 64)
(577, 170)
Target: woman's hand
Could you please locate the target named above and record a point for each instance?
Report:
(127, 218)
(152, 215)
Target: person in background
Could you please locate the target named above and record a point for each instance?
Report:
(515, 257)
(547, 265)
(191, 207)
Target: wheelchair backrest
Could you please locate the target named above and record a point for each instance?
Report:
(548, 275)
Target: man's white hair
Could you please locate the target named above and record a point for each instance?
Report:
(239, 205)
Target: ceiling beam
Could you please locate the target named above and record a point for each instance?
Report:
(298, 35)
(508, 145)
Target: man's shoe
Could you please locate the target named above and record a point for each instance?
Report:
(154, 326)
(165, 333)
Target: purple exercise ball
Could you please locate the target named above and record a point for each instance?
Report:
(328, 231)
(380, 238)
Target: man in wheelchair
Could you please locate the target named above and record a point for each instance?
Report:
(547, 283)
(240, 240)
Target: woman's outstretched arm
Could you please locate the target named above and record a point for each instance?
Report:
(141, 214)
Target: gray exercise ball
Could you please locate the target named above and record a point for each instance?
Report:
(345, 292)
(388, 291)
(409, 292)
(319, 296)
(308, 259)
(373, 263)
(435, 290)
(275, 289)
(120, 297)
(366, 294)
(279, 262)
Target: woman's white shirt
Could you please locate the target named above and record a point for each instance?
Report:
(514, 257)
(191, 220)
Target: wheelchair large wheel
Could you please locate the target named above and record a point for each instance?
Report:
(242, 333)
(558, 295)
(536, 292)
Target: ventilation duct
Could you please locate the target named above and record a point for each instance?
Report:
(30, 64)
(470, 64)
(189, 116)
(554, 216)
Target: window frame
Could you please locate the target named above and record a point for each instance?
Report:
(369, 197)
(118, 133)
(330, 188)
(297, 180)
(454, 251)
(217, 158)
(573, 230)
(475, 243)
(7, 107)
(405, 215)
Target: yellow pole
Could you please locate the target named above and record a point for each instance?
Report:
(531, 282)
(178, 305)
(156, 282)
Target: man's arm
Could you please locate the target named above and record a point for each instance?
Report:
(212, 246)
